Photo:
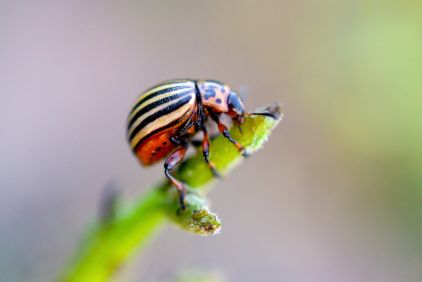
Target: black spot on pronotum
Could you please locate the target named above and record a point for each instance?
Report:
(209, 93)
(153, 154)
(218, 101)
(164, 143)
(158, 149)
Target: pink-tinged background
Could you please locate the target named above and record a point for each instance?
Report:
(336, 195)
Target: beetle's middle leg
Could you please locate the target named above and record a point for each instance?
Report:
(176, 157)
(206, 153)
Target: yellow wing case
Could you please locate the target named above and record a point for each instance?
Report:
(158, 107)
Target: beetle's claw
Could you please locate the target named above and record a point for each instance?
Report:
(215, 172)
(240, 128)
(180, 210)
(182, 203)
(245, 153)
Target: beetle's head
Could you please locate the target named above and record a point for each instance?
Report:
(236, 107)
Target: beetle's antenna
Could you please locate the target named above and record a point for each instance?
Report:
(273, 111)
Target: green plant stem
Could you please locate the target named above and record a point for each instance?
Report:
(112, 240)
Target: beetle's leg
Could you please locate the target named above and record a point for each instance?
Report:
(196, 143)
(206, 153)
(238, 125)
(223, 130)
(176, 157)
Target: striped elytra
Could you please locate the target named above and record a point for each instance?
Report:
(165, 117)
(157, 110)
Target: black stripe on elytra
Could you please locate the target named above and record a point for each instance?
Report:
(171, 124)
(155, 104)
(167, 110)
(160, 92)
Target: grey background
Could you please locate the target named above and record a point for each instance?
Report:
(303, 209)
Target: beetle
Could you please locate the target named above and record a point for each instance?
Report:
(166, 116)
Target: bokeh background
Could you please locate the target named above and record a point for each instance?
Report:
(336, 195)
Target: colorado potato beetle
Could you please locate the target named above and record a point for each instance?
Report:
(165, 117)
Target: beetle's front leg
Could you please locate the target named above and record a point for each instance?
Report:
(176, 157)
(224, 130)
(206, 153)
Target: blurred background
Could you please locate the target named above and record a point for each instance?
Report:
(336, 194)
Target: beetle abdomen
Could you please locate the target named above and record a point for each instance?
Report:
(159, 108)
(155, 148)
